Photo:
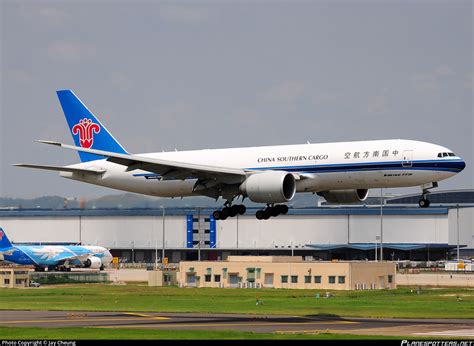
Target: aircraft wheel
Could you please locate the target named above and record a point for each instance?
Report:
(234, 210)
(424, 203)
(216, 214)
(266, 214)
(259, 215)
(242, 209)
(225, 212)
(274, 211)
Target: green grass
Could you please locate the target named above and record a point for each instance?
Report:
(85, 333)
(399, 303)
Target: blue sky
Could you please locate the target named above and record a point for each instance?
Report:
(191, 75)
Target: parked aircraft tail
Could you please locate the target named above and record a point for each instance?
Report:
(87, 131)
(4, 242)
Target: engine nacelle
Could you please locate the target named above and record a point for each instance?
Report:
(93, 262)
(345, 196)
(269, 187)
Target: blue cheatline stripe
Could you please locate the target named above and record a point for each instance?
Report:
(450, 166)
(189, 231)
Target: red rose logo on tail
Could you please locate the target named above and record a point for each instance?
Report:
(86, 129)
(1, 234)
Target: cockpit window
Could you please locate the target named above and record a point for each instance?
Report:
(445, 154)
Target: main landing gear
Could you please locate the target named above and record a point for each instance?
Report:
(234, 210)
(271, 210)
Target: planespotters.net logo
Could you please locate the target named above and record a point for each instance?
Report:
(86, 129)
(437, 343)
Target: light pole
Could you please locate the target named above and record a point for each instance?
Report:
(237, 242)
(376, 247)
(457, 229)
(163, 249)
(156, 251)
(381, 224)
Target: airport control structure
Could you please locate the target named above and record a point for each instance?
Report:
(400, 227)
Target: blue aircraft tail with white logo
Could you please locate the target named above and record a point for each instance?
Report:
(86, 130)
(4, 242)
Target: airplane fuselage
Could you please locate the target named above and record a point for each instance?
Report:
(53, 255)
(321, 167)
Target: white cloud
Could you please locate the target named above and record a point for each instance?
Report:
(285, 92)
(183, 14)
(71, 52)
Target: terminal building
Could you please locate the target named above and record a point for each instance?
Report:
(287, 272)
(401, 228)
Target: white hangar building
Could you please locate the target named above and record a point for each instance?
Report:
(407, 232)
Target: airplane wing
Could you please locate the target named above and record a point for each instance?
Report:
(167, 169)
(63, 169)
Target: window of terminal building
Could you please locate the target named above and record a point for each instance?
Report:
(6, 281)
(341, 279)
(19, 281)
(294, 279)
(217, 278)
(317, 279)
(284, 279)
(390, 279)
(332, 279)
(207, 278)
(307, 279)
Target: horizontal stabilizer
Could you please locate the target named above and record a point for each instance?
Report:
(63, 169)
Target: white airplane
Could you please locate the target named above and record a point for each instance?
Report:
(340, 172)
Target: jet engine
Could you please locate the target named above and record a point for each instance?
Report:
(269, 187)
(93, 263)
(345, 196)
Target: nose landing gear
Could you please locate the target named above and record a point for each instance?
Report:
(424, 202)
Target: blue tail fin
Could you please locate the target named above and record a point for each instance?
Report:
(87, 131)
(4, 242)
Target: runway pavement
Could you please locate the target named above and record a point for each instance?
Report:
(256, 323)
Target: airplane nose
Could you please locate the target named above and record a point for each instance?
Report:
(462, 165)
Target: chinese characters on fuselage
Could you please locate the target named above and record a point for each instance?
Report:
(366, 154)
